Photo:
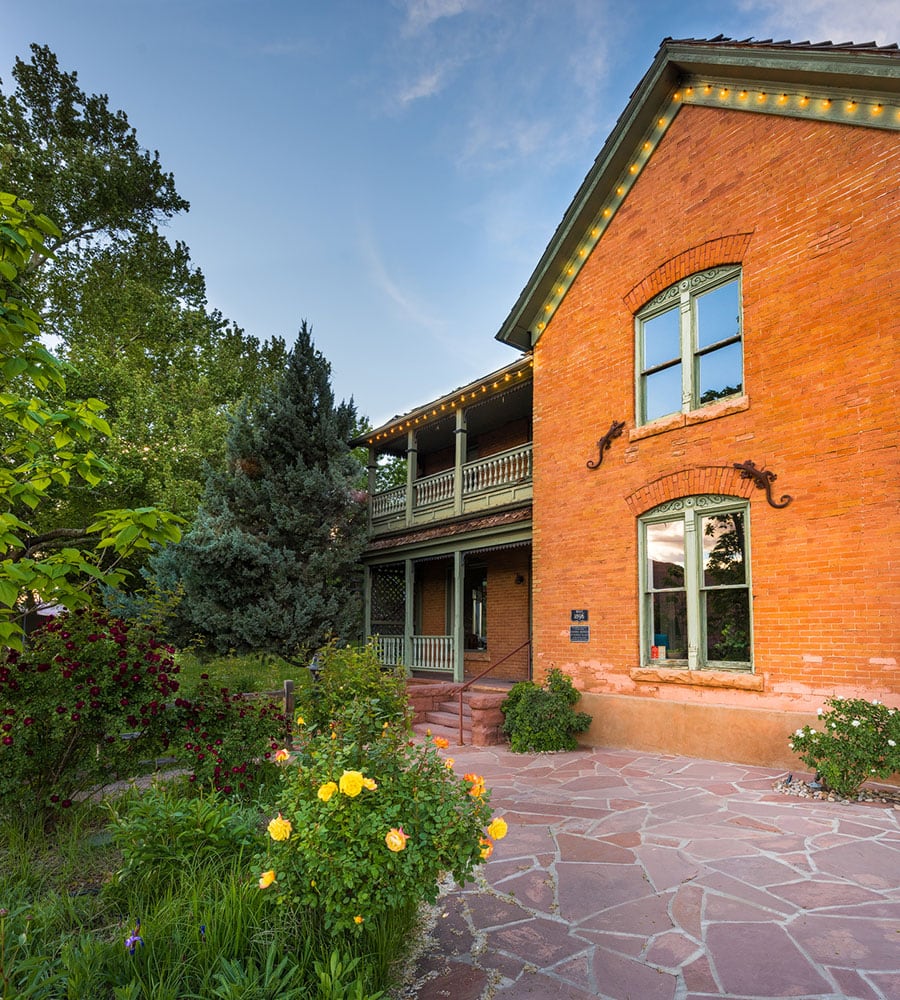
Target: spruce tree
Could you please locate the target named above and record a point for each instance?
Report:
(271, 561)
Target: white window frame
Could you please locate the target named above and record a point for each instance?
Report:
(684, 296)
(692, 509)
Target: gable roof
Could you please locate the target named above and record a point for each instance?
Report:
(857, 84)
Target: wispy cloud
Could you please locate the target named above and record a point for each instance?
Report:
(420, 14)
(827, 20)
(411, 310)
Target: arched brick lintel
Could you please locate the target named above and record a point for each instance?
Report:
(707, 479)
(722, 250)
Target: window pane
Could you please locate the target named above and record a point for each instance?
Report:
(728, 625)
(662, 393)
(718, 314)
(723, 549)
(665, 555)
(662, 338)
(719, 373)
(669, 625)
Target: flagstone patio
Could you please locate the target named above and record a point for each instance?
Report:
(630, 876)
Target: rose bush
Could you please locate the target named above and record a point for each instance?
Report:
(859, 740)
(373, 825)
(226, 741)
(83, 682)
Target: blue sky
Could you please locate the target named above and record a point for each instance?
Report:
(390, 170)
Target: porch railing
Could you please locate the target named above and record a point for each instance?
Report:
(496, 473)
(390, 649)
(502, 469)
(433, 652)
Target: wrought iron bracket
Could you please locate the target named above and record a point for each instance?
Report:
(615, 430)
(763, 479)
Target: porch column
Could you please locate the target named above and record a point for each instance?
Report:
(371, 468)
(411, 473)
(459, 569)
(367, 603)
(409, 621)
(460, 434)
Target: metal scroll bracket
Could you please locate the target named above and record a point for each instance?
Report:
(763, 479)
(615, 430)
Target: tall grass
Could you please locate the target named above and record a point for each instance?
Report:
(197, 922)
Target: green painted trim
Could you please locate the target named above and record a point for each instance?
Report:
(848, 86)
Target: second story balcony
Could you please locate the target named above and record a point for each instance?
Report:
(467, 453)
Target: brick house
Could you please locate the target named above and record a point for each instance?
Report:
(712, 503)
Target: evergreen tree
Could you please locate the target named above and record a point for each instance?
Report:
(271, 561)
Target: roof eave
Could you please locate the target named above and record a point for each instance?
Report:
(872, 70)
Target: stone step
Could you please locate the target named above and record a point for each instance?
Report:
(449, 719)
(453, 707)
(449, 733)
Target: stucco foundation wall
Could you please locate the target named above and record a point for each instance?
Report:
(811, 211)
(721, 732)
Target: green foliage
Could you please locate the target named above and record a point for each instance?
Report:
(48, 446)
(541, 718)
(859, 741)
(127, 307)
(271, 561)
(364, 829)
(161, 829)
(348, 676)
(83, 681)
(250, 672)
(226, 740)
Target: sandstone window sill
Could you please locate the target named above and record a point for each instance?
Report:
(712, 411)
(698, 678)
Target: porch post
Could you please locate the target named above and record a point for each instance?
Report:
(409, 621)
(411, 473)
(460, 434)
(371, 485)
(459, 667)
(367, 603)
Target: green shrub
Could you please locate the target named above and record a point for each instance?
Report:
(859, 741)
(538, 719)
(349, 675)
(227, 741)
(161, 829)
(365, 828)
(83, 681)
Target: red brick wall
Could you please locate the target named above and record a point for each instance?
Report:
(507, 609)
(491, 442)
(811, 211)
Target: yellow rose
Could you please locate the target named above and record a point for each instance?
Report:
(370, 784)
(497, 828)
(266, 879)
(487, 848)
(279, 828)
(281, 756)
(327, 790)
(301, 721)
(441, 743)
(448, 763)
(351, 783)
(357, 919)
(396, 839)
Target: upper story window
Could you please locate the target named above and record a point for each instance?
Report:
(689, 346)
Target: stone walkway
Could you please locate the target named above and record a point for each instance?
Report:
(631, 876)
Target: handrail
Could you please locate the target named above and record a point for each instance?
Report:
(467, 684)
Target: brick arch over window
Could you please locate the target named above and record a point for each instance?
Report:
(719, 480)
(713, 253)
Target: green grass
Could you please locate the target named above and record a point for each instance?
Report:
(253, 672)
